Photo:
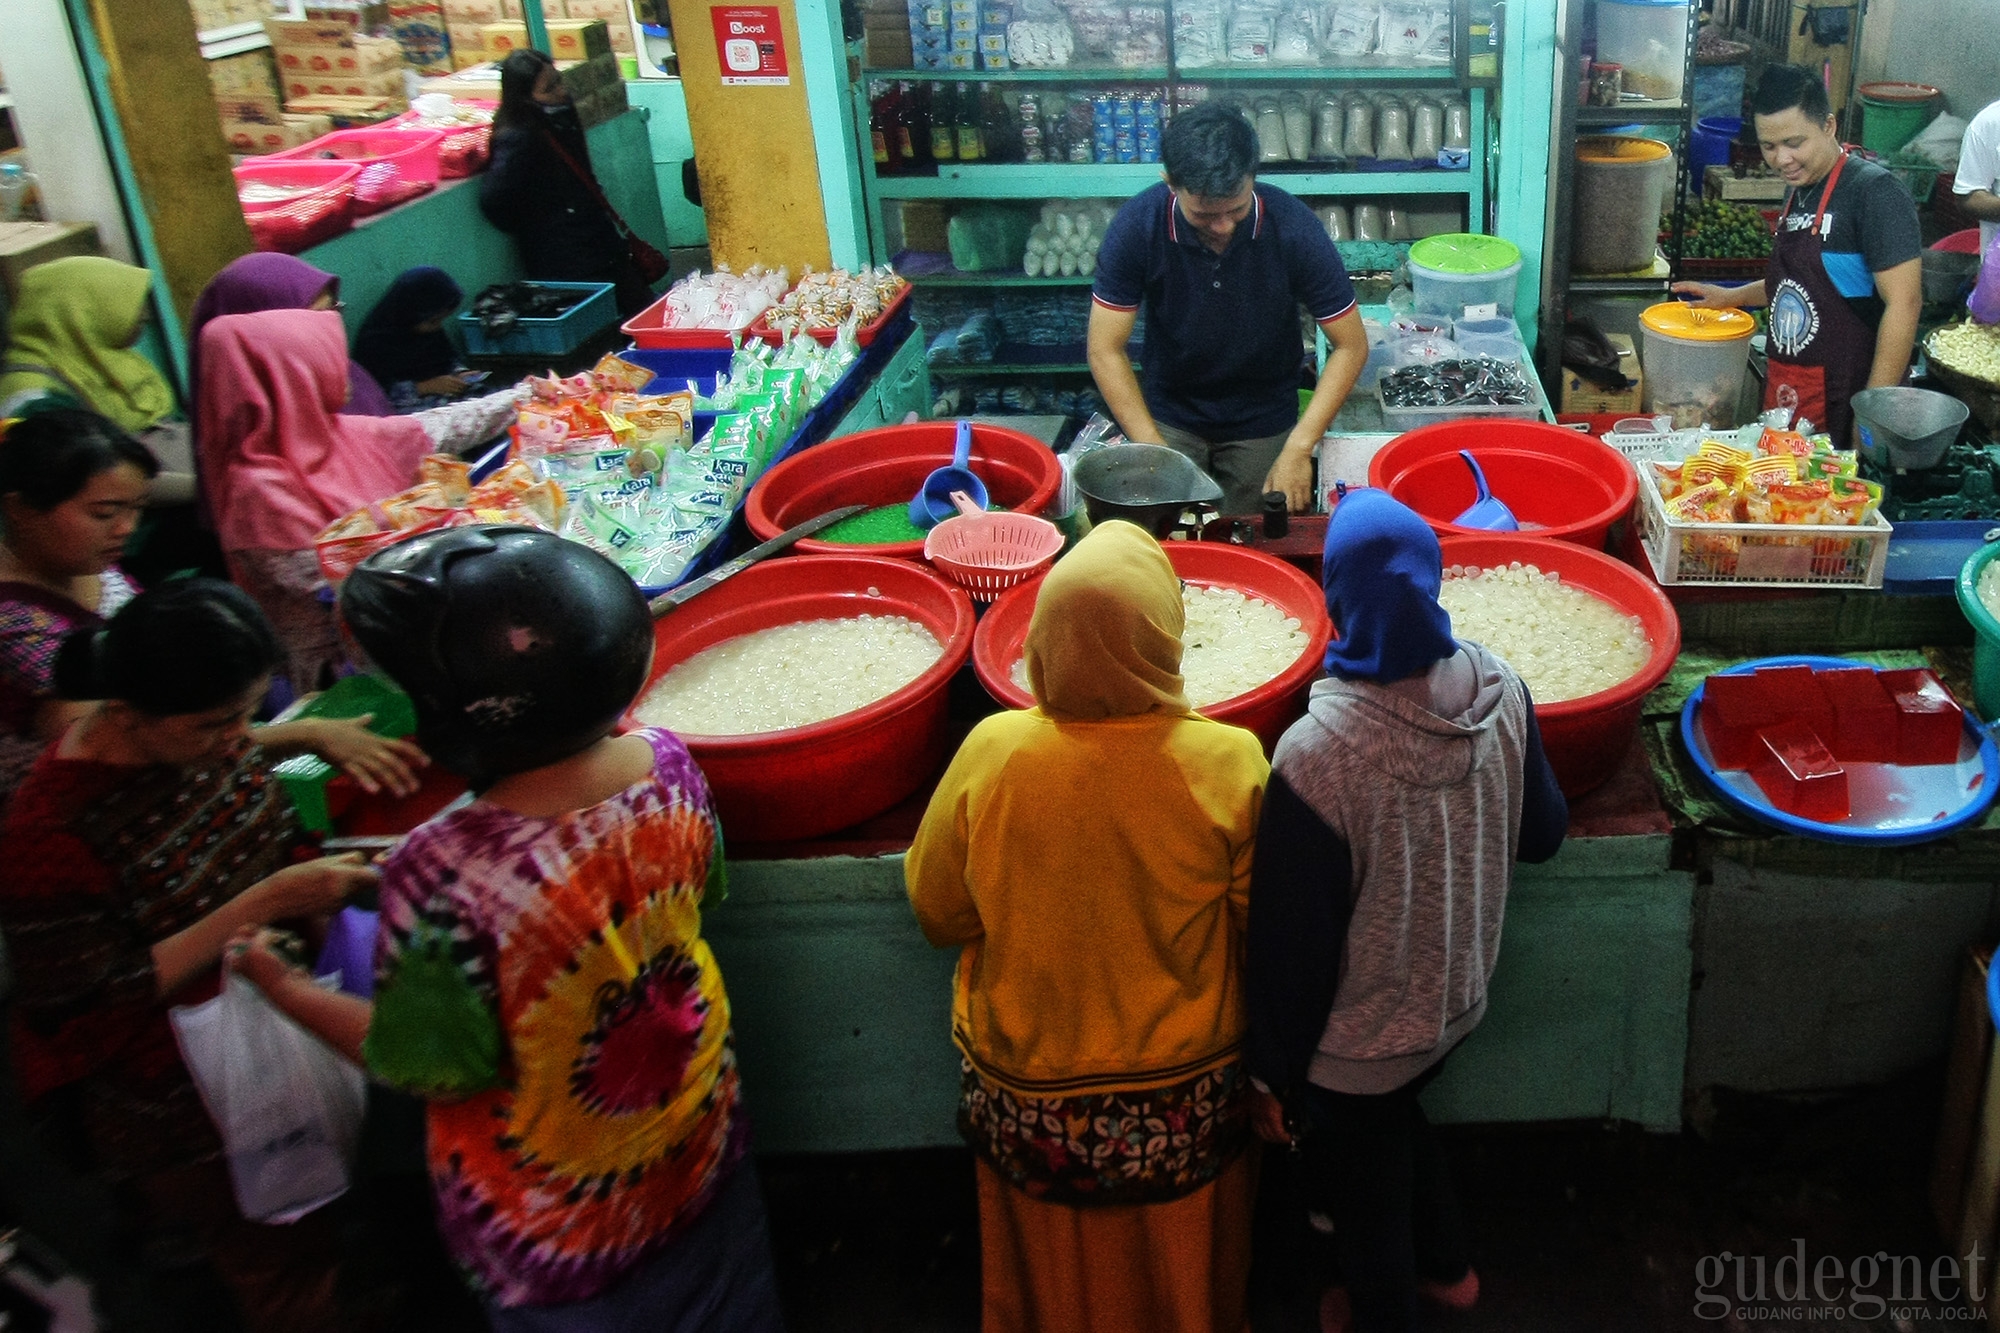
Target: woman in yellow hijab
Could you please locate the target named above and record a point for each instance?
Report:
(72, 334)
(1090, 857)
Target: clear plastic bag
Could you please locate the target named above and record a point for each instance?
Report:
(1327, 127)
(1271, 132)
(1984, 303)
(1200, 34)
(1361, 133)
(1297, 41)
(1250, 36)
(1350, 29)
(1298, 126)
(288, 1105)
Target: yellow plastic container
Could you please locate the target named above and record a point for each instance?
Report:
(1694, 362)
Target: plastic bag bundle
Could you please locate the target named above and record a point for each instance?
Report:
(288, 1106)
(1984, 303)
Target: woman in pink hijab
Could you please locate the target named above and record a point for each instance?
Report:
(281, 458)
(270, 281)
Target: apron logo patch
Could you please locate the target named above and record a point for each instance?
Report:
(1794, 319)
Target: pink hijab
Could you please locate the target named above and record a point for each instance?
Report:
(279, 459)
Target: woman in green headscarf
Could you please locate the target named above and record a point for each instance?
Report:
(71, 344)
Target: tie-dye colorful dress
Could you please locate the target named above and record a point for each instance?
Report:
(544, 982)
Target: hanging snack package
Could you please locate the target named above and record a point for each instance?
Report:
(451, 474)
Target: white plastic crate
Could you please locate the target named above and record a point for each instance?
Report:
(1670, 446)
(1759, 555)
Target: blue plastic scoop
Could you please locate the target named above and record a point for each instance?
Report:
(933, 503)
(1485, 512)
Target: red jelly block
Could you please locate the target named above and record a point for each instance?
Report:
(1800, 696)
(1799, 774)
(1733, 710)
(1864, 717)
(1929, 722)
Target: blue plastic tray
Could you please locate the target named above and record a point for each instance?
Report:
(1925, 555)
(547, 337)
(1893, 806)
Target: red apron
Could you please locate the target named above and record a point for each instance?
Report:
(1819, 352)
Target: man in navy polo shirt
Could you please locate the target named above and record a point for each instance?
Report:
(1222, 265)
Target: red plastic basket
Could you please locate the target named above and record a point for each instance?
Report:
(318, 203)
(395, 165)
(648, 329)
(466, 148)
(761, 327)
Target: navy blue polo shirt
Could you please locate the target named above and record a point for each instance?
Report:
(1222, 352)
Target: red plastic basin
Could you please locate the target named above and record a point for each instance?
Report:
(1574, 487)
(801, 782)
(1266, 710)
(1586, 738)
(1964, 242)
(888, 466)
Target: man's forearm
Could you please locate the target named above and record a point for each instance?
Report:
(1982, 204)
(1113, 372)
(1895, 336)
(1336, 380)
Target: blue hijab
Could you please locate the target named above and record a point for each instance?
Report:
(388, 344)
(1381, 570)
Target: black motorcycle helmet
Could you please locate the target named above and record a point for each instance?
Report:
(518, 647)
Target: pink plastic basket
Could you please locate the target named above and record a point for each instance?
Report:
(986, 554)
(466, 148)
(396, 165)
(316, 204)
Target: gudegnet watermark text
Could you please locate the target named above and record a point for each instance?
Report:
(1799, 1286)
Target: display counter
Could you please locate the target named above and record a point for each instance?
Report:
(1669, 948)
(446, 230)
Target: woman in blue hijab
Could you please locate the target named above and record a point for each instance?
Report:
(1396, 810)
(403, 344)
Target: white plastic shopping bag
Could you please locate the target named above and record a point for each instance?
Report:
(287, 1104)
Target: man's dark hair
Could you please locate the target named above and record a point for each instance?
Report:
(1786, 86)
(1210, 150)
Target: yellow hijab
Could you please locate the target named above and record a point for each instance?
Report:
(72, 331)
(1105, 640)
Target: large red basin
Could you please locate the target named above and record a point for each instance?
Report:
(1266, 710)
(888, 466)
(1572, 486)
(801, 782)
(1586, 738)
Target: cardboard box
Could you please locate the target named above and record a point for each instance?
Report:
(1581, 396)
(612, 12)
(602, 105)
(468, 44)
(302, 34)
(503, 39)
(369, 17)
(372, 55)
(250, 137)
(885, 49)
(472, 13)
(348, 113)
(579, 39)
(370, 86)
(623, 43)
(251, 74)
(1721, 183)
(926, 224)
(419, 29)
(258, 108)
(26, 244)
